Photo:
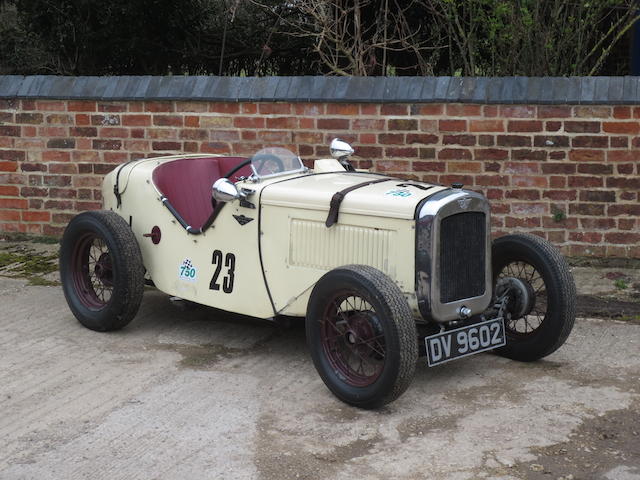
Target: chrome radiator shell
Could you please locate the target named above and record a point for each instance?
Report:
(429, 216)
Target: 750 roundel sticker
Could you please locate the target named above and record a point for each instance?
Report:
(187, 271)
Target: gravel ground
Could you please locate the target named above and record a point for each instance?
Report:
(197, 393)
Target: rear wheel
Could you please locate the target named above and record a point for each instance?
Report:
(535, 281)
(101, 270)
(362, 336)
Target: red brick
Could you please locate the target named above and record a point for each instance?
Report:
(517, 111)
(9, 190)
(224, 107)
(191, 121)
(66, 168)
(486, 126)
(622, 238)
(591, 209)
(391, 138)
(528, 222)
(465, 140)
(28, 216)
(402, 124)
(367, 124)
(523, 194)
(524, 126)
(490, 154)
(159, 107)
(625, 183)
(529, 181)
(624, 209)
(554, 112)
(559, 194)
(427, 110)
(621, 112)
(168, 120)
(492, 180)
(341, 109)
(592, 112)
(62, 193)
(464, 167)
(585, 237)
(429, 166)
(551, 141)
(486, 140)
(462, 110)
(629, 128)
(490, 111)
(421, 138)
(522, 168)
(619, 142)
(166, 145)
(333, 124)
(552, 126)
(10, 215)
(113, 107)
(29, 118)
(595, 168)
(454, 154)
(113, 132)
(107, 144)
(452, 125)
(20, 203)
(8, 166)
(586, 155)
(83, 131)
(586, 181)
(9, 131)
(526, 154)
(581, 127)
(12, 155)
(194, 134)
(597, 223)
(136, 120)
(81, 106)
(622, 156)
(83, 119)
(588, 141)
(557, 181)
(394, 109)
(50, 106)
(606, 196)
(513, 141)
(392, 166)
(402, 152)
(282, 123)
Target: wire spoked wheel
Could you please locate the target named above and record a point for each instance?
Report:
(353, 340)
(535, 280)
(101, 270)
(92, 271)
(527, 297)
(362, 335)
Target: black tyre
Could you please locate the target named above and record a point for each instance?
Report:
(101, 270)
(362, 336)
(541, 296)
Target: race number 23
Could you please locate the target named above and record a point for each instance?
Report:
(229, 263)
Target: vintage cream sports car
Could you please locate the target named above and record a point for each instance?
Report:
(380, 269)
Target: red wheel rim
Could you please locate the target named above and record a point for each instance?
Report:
(352, 339)
(92, 271)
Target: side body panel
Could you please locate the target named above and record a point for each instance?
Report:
(228, 247)
(298, 249)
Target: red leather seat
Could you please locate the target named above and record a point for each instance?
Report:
(187, 182)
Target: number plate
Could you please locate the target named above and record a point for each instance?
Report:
(461, 342)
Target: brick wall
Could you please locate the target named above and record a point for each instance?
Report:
(568, 173)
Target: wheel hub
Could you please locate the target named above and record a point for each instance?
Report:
(103, 269)
(522, 297)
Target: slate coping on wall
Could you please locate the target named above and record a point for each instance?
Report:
(497, 90)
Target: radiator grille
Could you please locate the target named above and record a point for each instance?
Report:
(462, 256)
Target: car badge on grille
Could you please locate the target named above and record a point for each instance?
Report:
(464, 202)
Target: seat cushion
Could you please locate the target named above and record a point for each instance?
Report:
(187, 183)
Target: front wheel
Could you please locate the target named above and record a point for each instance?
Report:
(535, 283)
(362, 336)
(101, 270)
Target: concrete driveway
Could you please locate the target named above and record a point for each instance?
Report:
(197, 394)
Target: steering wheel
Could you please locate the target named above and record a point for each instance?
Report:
(267, 163)
(238, 167)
